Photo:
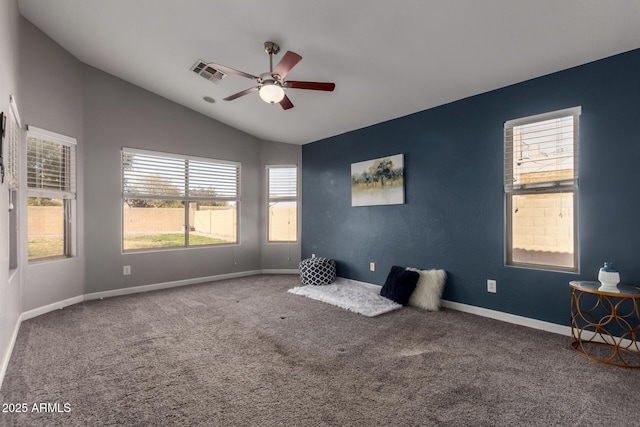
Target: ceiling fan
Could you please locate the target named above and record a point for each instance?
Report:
(272, 85)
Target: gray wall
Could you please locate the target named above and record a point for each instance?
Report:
(51, 99)
(10, 290)
(104, 114)
(119, 114)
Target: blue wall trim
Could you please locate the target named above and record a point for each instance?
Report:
(453, 217)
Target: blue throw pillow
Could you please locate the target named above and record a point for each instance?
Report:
(399, 285)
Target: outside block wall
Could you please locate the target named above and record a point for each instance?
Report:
(216, 221)
(543, 223)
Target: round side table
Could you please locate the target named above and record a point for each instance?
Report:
(605, 325)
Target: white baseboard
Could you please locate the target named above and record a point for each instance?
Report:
(537, 324)
(50, 307)
(166, 285)
(7, 354)
(510, 318)
(493, 314)
(281, 271)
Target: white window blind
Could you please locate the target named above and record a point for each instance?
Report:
(12, 138)
(542, 151)
(152, 175)
(283, 183)
(50, 164)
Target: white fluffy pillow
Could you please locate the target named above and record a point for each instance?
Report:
(428, 289)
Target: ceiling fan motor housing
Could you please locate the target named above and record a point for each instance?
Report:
(271, 48)
(268, 77)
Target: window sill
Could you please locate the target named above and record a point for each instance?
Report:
(48, 260)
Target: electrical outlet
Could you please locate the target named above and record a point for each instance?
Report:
(372, 266)
(313, 255)
(126, 270)
(491, 286)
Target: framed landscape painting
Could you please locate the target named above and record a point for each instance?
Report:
(378, 181)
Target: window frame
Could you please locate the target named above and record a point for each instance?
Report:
(69, 195)
(13, 136)
(185, 198)
(270, 200)
(559, 186)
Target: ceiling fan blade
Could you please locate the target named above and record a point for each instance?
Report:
(285, 65)
(243, 93)
(228, 70)
(286, 103)
(329, 87)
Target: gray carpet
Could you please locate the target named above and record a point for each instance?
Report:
(244, 352)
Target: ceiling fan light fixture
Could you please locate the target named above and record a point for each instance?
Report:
(272, 86)
(271, 92)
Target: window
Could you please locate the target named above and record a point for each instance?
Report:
(283, 203)
(51, 194)
(541, 190)
(172, 201)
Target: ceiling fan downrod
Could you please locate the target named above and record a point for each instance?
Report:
(272, 49)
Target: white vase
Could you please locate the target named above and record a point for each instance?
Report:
(609, 278)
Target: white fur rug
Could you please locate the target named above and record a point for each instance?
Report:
(359, 297)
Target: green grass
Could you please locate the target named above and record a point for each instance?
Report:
(45, 248)
(171, 240)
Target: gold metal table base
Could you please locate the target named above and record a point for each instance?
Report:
(605, 325)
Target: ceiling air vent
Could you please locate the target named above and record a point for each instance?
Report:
(209, 73)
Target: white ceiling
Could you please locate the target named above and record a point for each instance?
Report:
(387, 58)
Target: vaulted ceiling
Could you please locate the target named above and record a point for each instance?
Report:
(388, 59)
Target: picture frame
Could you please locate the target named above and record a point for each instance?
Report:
(378, 181)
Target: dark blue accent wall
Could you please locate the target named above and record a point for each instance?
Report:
(453, 217)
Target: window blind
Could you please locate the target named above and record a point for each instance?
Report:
(541, 151)
(152, 175)
(50, 164)
(283, 183)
